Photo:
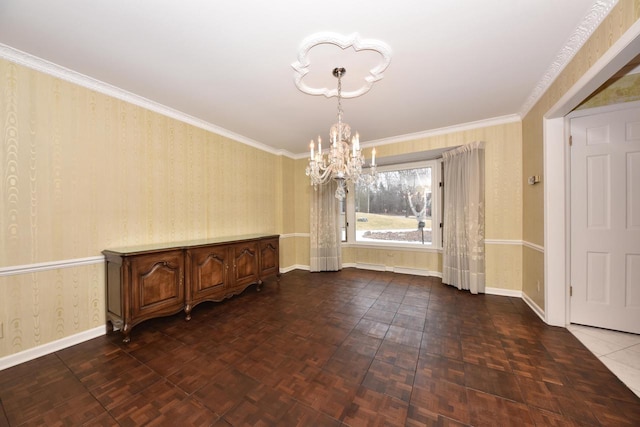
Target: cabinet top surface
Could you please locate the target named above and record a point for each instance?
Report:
(129, 250)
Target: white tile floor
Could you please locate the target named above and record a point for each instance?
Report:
(619, 351)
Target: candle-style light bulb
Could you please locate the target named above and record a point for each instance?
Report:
(319, 145)
(373, 157)
(311, 147)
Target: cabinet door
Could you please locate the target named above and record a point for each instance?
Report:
(269, 258)
(245, 264)
(208, 268)
(156, 284)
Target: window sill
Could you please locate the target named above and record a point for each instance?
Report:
(393, 245)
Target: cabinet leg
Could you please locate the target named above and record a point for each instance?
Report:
(126, 330)
(187, 311)
(259, 287)
(109, 327)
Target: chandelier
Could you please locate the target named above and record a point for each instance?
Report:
(344, 161)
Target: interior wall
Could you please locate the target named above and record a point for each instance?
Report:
(288, 216)
(503, 211)
(619, 20)
(83, 172)
(618, 91)
(302, 202)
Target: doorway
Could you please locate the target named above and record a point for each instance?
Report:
(556, 169)
(605, 217)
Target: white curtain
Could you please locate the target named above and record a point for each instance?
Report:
(326, 251)
(463, 239)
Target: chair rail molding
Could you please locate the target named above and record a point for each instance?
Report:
(51, 265)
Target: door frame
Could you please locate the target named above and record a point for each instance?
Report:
(556, 158)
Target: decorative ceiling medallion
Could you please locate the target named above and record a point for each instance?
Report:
(302, 66)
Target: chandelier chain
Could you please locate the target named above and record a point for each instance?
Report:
(344, 161)
(339, 72)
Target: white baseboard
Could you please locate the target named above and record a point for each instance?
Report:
(503, 292)
(373, 267)
(416, 272)
(426, 273)
(43, 350)
(535, 307)
(294, 267)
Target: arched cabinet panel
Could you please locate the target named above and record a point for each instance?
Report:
(245, 264)
(157, 284)
(208, 267)
(269, 257)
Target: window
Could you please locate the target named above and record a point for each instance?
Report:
(402, 208)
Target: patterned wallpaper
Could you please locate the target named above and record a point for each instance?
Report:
(83, 172)
(44, 306)
(623, 89)
(619, 20)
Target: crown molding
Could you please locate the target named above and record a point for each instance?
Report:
(494, 121)
(54, 70)
(57, 71)
(599, 10)
(354, 41)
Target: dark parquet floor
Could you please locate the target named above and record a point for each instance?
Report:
(354, 348)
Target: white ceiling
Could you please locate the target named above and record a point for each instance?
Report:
(228, 65)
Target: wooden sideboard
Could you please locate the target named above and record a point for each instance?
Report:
(150, 281)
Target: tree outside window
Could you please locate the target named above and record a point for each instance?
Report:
(397, 208)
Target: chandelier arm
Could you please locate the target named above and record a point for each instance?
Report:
(324, 177)
(321, 175)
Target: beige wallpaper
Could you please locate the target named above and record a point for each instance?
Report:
(87, 172)
(503, 216)
(623, 15)
(303, 191)
(288, 182)
(287, 214)
(41, 307)
(413, 259)
(503, 164)
(623, 89)
(83, 172)
(533, 275)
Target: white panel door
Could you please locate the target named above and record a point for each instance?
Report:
(605, 220)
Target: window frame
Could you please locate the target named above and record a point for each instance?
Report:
(344, 218)
(436, 210)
